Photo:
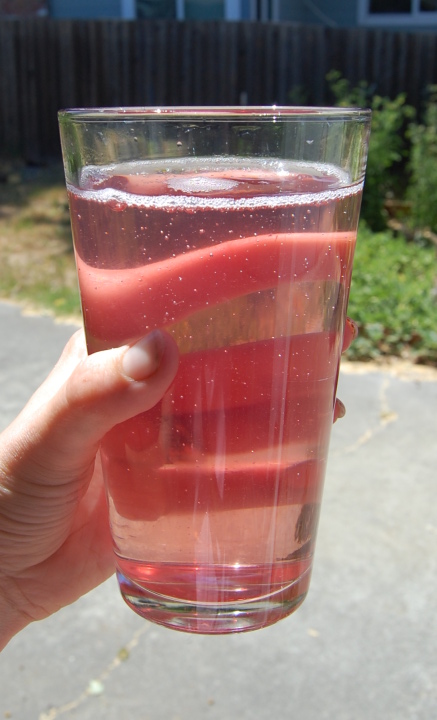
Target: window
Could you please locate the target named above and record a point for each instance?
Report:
(428, 6)
(408, 13)
(389, 6)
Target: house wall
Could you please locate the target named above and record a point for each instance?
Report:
(331, 13)
(85, 9)
(337, 13)
(21, 8)
(328, 13)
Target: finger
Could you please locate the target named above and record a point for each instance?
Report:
(339, 410)
(109, 387)
(350, 333)
(61, 428)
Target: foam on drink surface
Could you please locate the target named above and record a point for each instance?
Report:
(225, 184)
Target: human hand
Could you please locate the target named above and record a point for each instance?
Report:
(54, 535)
(350, 333)
(55, 543)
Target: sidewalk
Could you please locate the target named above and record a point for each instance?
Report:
(362, 647)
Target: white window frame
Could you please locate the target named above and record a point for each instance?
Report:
(414, 18)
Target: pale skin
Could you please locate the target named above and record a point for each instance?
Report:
(55, 543)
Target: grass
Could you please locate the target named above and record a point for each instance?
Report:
(393, 296)
(36, 252)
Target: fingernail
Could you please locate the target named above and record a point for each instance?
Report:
(142, 359)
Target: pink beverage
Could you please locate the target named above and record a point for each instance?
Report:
(214, 494)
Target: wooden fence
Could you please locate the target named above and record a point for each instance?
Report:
(48, 64)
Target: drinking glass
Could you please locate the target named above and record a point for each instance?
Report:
(233, 229)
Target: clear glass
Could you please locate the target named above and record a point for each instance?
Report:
(234, 230)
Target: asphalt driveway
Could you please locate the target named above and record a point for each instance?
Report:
(363, 645)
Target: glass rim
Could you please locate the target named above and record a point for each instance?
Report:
(214, 112)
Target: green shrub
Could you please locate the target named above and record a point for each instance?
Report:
(388, 145)
(394, 298)
(422, 188)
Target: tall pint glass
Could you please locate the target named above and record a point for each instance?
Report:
(233, 229)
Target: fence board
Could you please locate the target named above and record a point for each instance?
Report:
(8, 88)
(66, 89)
(48, 64)
(296, 91)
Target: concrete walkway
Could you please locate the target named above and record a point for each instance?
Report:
(362, 647)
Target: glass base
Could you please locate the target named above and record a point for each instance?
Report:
(212, 619)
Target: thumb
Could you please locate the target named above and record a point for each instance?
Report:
(111, 386)
(85, 396)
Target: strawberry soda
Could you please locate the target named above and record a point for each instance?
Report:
(233, 230)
